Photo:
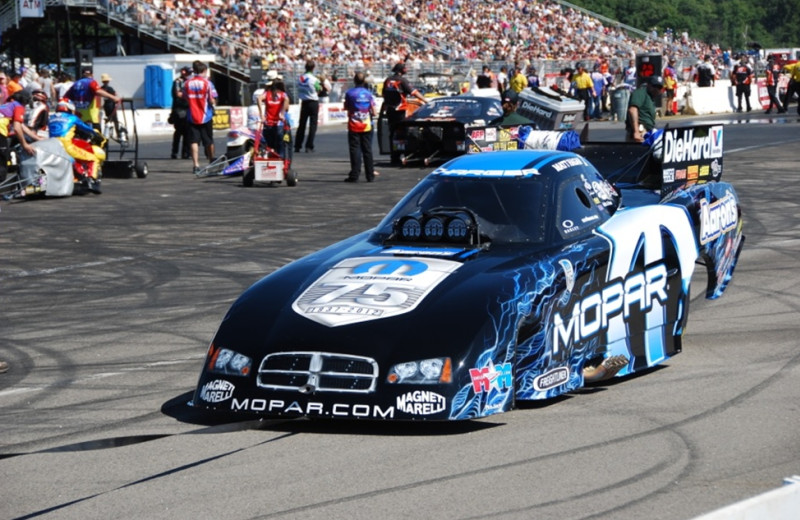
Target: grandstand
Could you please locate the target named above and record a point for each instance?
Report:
(453, 36)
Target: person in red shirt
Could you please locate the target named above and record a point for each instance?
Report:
(201, 95)
(773, 72)
(276, 104)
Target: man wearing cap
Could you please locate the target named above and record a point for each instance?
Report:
(584, 89)
(510, 117)
(109, 106)
(14, 84)
(642, 109)
(396, 90)
(84, 95)
(177, 116)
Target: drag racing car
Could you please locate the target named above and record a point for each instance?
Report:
(501, 277)
(443, 128)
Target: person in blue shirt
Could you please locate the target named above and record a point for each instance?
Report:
(360, 105)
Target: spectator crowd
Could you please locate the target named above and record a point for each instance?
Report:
(359, 33)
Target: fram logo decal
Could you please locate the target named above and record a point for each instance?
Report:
(497, 376)
(387, 267)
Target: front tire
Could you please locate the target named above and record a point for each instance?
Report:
(291, 178)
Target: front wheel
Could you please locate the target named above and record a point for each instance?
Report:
(142, 170)
(291, 178)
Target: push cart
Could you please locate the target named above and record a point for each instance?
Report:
(269, 166)
(122, 144)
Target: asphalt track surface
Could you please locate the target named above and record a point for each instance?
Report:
(107, 305)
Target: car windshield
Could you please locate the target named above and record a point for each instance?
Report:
(452, 107)
(508, 210)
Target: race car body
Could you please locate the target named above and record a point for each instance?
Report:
(445, 127)
(501, 277)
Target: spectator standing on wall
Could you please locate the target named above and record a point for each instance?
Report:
(177, 116)
(742, 78)
(308, 86)
(360, 105)
(201, 95)
(773, 73)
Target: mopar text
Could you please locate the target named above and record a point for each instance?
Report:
(312, 409)
(591, 314)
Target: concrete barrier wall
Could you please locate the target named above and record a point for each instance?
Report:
(153, 121)
(720, 99)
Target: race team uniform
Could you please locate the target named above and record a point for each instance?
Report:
(82, 95)
(360, 104)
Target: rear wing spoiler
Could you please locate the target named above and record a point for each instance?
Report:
(678, 157)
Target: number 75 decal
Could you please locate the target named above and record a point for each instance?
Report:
(369, 288)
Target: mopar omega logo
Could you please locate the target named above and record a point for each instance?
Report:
(391, 266)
